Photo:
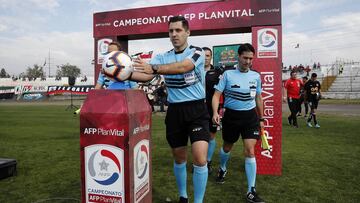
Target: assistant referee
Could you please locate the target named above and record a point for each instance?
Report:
(244, 110)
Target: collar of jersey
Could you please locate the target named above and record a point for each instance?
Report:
(180, 52)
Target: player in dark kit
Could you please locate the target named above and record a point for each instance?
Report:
(312, 96)
(302, 98)
(212, 78)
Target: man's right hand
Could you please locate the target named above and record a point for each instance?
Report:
(141, 66)
(216, 118)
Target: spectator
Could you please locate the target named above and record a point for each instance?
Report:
(307, 70)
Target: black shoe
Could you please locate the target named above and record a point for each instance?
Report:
(253, 197)
(289, 120)
(221, 176)
(210, 169)
(183, 200)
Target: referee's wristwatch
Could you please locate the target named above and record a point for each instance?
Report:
(261, 119)
(155, 68)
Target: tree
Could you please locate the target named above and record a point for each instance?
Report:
(35, 72)
(3, 73)
(68, 70)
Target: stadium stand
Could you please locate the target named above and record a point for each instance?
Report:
(347, 82)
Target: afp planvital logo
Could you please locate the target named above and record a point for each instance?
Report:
(102, 49)
(141, 170)
(267, 43)
(267, 38)
(104, 173)
(101, 168)
(142, 161)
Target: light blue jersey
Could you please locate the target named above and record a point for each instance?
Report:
(103, 81)
(188, 86)
(123, 85)
(240, 89)
(116, 85)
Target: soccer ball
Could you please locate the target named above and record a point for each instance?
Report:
(117, 66)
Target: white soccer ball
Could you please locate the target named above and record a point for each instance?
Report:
(117, 66)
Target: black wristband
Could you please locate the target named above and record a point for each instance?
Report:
(155, 68)
(261, 119)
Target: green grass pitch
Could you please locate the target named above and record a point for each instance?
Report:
(318, 165)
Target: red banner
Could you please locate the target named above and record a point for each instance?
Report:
(80, 90)
(211, 16)
(267, 43)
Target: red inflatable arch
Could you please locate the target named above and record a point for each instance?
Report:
(261, 18)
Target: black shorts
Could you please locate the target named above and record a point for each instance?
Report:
(236, 123)
(184, 120)
(212, 126)
(313, 103)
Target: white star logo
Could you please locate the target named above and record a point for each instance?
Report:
(103, 165)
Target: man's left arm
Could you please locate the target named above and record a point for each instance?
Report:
(183, 66)
(260, 108)
(259, 103)
(166, 69)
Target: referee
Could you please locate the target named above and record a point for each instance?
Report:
(244, 110)
(187, 116)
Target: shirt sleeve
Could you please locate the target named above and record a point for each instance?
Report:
(156, 59)
(286, 84)
(133, 85)
(258, 85)
(222, 83)
(197, 57)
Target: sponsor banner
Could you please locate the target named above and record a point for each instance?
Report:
(7, 96)
(77, 90)
(141, 170)
(104, 173)
(267, 40)
(7, 91)
(215, 15)
(20, 89)
(33, 96)
(267, 63)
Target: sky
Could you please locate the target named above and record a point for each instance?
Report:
(31, 30)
